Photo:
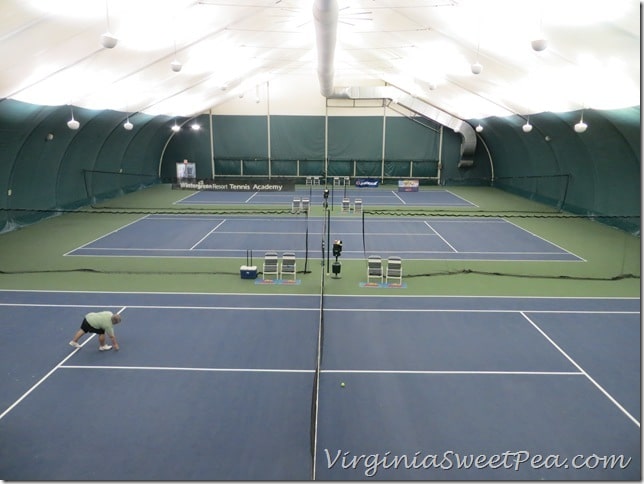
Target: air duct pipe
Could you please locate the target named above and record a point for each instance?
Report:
(325, 16)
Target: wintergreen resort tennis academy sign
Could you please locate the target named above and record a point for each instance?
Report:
(237, 186)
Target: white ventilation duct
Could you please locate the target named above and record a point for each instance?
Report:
(325, 16)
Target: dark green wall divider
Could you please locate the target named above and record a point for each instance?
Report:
(297, 138)
(355, 147)
(595, 173)
(46, 168)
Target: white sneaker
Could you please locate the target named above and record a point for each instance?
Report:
(105, 348)
(74, 344)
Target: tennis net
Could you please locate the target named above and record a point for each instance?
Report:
(318, 362)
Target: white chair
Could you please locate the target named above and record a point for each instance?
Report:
(394, 270)
(288, 268)
(345, 204)
(296, 206)
(271, 266)
(374, 268)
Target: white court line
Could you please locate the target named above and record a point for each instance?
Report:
(182, 200)
(576, 365)
(356, 310)
(441, 237)
(206, 236)
(545, 240)
(59, 365)
(463, 310)
(459, 372)
(179, 368)
(462, 198)
(133, 306)
(37, 384)
(398, 197)
(251, 197)
(105, 235)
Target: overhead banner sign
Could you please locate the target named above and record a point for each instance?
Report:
(408, 185)
(237, 186)
(367, 182)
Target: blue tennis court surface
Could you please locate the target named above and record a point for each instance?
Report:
(220, 387)
(433, 238)
(369, 197)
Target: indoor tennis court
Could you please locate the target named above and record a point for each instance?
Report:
(278, 240)
(426, 239)
(231, 377)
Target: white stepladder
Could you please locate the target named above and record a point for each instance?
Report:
(296, 207)
(346, 205)
(357, 206)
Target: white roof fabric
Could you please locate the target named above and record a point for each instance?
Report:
(53, 55)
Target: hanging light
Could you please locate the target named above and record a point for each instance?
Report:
(580, 127)
(527, 127)
(127, 125)
(477, 68)
(539, 44)
(175, 65)
(479, 128)
(108, 40)
(195, 126)
(72, 123)
(176, 127)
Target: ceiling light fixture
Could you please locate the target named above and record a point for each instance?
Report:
(127, 125)
(580, 127)
(108, 40)
(195, 126)
(477, 68)
(72, 123)
(176, 127)
(527, 127)
(175, 65)
(479, 128)
(540, 43)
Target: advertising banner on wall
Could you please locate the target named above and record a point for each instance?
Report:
(408, 185)
(367, 182)
(254, 185)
